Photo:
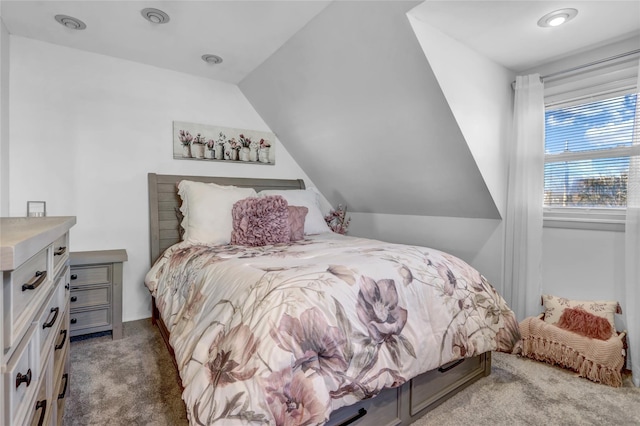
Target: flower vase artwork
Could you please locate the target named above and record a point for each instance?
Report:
(253, 151)
(205, 142)
(245, 143)
(197, 147)
(244, 154)
(263, 154)
(209, 154)
(186, 138)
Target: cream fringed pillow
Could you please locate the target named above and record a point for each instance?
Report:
(554, 306)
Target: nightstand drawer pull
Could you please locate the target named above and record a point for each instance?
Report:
(60, 251)
(65, 377)
(74, 276)
(64, 339)
(23, 378)
(73, 321)
(41, 404)
(74, 298)
(35, 282)
(55, 311)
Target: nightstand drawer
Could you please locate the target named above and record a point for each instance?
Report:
(87, 275)
(89, 319)
(84, 297)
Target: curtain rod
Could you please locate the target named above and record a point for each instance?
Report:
(590, 64)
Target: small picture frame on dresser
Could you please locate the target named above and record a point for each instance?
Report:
(36, 208)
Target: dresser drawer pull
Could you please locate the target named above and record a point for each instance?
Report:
(37, 279)
(73, 321)
(65, 377)
(41, 404)
(74, 298)
(64, 339)
(74, 276)
(55, 311)
(60, 251)
(454, 365)
(361, 413)
(67, 287)
(23, 378)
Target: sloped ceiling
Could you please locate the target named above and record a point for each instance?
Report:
(361, 111)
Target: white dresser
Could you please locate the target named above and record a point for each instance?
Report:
(34, 307)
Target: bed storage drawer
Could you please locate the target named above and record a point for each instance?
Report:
(383, 410)
(431, 388)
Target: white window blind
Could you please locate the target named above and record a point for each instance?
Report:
(587, 151)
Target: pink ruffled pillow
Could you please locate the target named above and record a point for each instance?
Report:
(297, 215)
(260, 221)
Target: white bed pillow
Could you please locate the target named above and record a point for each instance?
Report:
(207, 210)
(314, 222)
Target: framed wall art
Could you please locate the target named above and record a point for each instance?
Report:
(202, 142)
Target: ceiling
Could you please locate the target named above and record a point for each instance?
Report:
(507, 31)
(243, 33)
(246, 33)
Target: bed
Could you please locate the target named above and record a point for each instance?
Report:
(327, 329)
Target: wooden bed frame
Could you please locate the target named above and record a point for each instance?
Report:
(399, 406)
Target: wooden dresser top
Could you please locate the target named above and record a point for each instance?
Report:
(22, 237)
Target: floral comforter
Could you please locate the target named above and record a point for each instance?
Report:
(286, 334)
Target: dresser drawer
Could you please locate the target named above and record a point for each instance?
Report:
(24, 290)
(84, 297)
(87, 275)
(51, 318)
(90, 319)
(61, 343)
(21, 379)
(60, 251)
(41, 409)
(431, 387)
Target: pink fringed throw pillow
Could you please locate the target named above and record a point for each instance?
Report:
(297, 215)
(260, 221)
(586, 324)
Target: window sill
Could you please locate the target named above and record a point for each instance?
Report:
(588, 219)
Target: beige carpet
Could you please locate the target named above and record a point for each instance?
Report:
(132, 381)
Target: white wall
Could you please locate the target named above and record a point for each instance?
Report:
(4, 119)
(477, 241)
(479, 94)
(584, 265)
(478, 91)
(85, 131)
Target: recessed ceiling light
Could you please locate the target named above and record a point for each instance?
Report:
(70, 22)
(557, 17)
(212, 59)
(155, 16)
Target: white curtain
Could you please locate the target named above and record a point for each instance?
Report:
(523, 221)
(632, 252)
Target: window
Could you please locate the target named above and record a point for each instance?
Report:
(587, 151)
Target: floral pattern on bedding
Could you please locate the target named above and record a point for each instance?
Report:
(285, 334)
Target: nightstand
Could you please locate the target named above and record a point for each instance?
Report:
(96, 292)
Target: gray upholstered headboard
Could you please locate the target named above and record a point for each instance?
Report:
(163, 200)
